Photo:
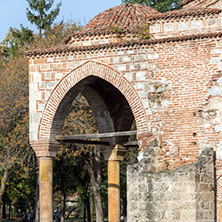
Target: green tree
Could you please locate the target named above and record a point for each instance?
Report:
(16, 38)
(80, 120)
(22, 180)
(70, 177)
(39, 13)
(14, 145)
(160, 5)
(15, 150)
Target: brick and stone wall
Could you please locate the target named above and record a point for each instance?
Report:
(185, 194)
(169, 24)
(177, 85)
(172, 83)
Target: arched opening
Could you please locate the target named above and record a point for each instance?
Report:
(117, 93)
(112, 113)
(115, 104)
(111, 110)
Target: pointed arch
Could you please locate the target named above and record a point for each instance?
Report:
(68, 82)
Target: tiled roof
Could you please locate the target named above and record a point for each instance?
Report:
(132, 43)
(102, 29)
(122, 16)
(194, 11)
(185, 2)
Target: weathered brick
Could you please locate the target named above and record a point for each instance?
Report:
(172, 87)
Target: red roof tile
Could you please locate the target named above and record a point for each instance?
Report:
(132, 43)
(121, 16)
(91, 29)
(185, 2)
(193, 11)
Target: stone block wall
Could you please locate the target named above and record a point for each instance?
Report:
(185, 194)
(185, 25)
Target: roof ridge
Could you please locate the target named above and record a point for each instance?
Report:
(184, 2)
(119, 15)
(67, 49)
(184, 12)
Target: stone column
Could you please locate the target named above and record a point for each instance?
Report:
(45, 151)
(45, 189)
(219, 211)
(114, 190)
(114, 155)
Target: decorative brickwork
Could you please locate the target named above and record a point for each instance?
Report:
(75, 76)
(170, 84)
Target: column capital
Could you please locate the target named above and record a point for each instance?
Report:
(45, 147)
(114, 153)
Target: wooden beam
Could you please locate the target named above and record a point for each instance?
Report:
(93, 136)
(97, 142)
(71, 141)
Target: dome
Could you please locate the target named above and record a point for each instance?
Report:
(124, 16)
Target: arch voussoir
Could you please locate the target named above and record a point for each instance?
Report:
(74, 77)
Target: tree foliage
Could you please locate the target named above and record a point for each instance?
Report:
(39, 13)
(80, 120)
(160, 5)
(17, 159)
(14, 39)
(15, 148)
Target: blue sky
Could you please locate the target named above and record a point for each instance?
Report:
(13, 12)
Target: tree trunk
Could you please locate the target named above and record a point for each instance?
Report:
(84, 214)
(74, 208)
(17, 212)
(3, 208)
(37, 212)
(10, 210)
(124, 206)
(95, 180)
(2, 190)
(0, 208)
(97, 186)
(63, 195)
(40, 25)
(91, 193)
(98, 203)
(91, 205)
(87, 206)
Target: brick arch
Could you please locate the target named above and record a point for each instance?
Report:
(69, 81)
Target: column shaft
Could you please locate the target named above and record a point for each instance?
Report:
(45, 189)
(219, 211)
(114, 190)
